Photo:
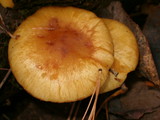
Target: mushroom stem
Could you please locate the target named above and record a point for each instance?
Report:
(122, 90)
(96, 93)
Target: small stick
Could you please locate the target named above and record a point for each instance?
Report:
(71, 111)
(4, 69)
(92, 114)
(1, 20)
(76, 112)
(3, 27)
(5, 78)
(95, 92)
(89, 104)
(5, 117)
(118, 92)
(113, 72)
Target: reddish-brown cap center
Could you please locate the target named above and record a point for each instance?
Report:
(61, 44)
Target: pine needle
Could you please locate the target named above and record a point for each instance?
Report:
(5, 78)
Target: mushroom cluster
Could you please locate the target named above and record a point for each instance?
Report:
(59, 52)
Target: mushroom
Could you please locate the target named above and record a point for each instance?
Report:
(59, 52)
(125, 54)
(7, 3)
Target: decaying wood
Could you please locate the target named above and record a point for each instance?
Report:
(139, 101)
(151, 30)
(105, 103)
(146, 63)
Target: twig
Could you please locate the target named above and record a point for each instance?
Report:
(5, 117)
(113, 72)
(5, 78)
(93, 111)
(4, 28)
(89, 105)
(71, 111)
(105, 103)
(76, 112)
(96, 93)
(4, 68)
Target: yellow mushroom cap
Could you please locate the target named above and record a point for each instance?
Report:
(58, 53)
(7, 3)
(125, 54)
